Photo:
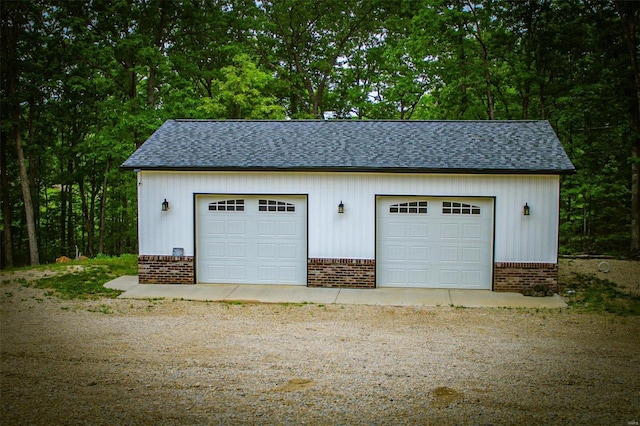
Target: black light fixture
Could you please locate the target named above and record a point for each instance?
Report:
(165, 205)
(340, 207)
(526, 210)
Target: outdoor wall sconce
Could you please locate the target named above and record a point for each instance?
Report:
(340, 207)
(526, 210)
(165, 205)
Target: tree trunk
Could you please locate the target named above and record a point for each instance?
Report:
(462, 63)
(85, 215)
(70, 223)
(91, 231)
(526, 94)
(103, 209)
(34, 256)
(10, 37)
(32, 171)
(123, 220)
(63, 202)
(151, 81)
(6, 203)
(485, 62)
(629, 13)
(635, 196)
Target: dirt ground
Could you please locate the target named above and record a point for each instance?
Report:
(113, 361)
(624, 273)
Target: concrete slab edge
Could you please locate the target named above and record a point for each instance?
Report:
(296, 295)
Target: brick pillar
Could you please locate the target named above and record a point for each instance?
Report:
(342, 273)
(165, 269)
(515, 276)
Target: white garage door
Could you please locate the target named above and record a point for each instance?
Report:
(251, 239)
(434, 242)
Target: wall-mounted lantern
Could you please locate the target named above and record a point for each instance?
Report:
(526, 210)
(165, 205)
(340, 207)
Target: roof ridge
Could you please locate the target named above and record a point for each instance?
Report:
(319, 120)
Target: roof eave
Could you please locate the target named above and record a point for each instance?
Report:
(357, 170)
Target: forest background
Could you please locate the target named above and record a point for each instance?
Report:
(84, 83)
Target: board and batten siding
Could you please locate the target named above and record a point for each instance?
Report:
(351, 235)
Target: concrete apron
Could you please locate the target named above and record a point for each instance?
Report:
(300, 294)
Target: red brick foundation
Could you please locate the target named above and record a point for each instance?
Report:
(342, 273)
(514, 276)
(165, 269)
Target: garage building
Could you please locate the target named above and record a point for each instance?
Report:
(359, 204)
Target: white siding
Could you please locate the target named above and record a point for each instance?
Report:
(518, 238)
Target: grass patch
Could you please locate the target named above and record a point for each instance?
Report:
(88, 281)
(85, 284)
(588, 293)
(104, 309)
(298, 304)
(126, 264)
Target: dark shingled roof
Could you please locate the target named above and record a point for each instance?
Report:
(350, 145)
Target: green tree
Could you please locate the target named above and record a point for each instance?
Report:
(242, 93)
(306, 40)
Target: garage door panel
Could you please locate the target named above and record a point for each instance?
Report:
(449, 254)
(251, 239)
(237, 250)
(418, 231)
(226, 272)
(236, 272)
(470, 278)
(267, 228)
(216, 227)
(471, 254)
(287, 251)
(236, 227)
(417, 276)
(398, 230)
(418, 254)
(398, 275)
(449, 278)
(216, 271)
(450, 231)
(268, 272)
(448, 245)
(286, 273)
(396, 252)
(287, 229)
(267, 251)
(471, 231)
(215, 250)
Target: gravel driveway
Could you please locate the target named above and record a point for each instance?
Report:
(177, 362)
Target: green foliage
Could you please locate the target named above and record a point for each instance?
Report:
(85, 284)
(90, 81)
(126, 264)
(86, 279)
(589, 293)
(242, 93)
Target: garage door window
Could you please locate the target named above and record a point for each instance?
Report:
(227, 206)
(418, 207)
(275, 206)
(450, 207)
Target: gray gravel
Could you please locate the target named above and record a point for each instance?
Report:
(178, 362)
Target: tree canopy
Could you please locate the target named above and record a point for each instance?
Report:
(84, 83)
